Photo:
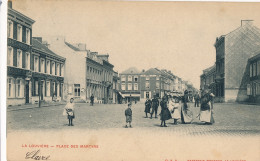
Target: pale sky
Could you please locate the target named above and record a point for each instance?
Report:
(178, 36)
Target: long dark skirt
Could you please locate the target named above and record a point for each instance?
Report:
(165, 114)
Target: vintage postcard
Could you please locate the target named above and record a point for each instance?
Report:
(132, 81)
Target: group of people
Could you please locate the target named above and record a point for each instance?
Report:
(172, 107)
(178, 107)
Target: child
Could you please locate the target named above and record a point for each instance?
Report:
(176, 113)
(69, 109)
(128, 115)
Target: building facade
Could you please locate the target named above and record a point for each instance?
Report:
(130, 85)
(116, 94)
(47, 73)
(232, 53)
(19, 46)
(75, 67)
(207, 81)
(253, 79)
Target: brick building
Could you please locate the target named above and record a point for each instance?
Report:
(253, 79)
(19, 46)
(232, 53)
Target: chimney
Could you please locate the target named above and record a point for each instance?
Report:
(246, 22)
(10, 4)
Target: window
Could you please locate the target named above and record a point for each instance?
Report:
(42, 65)
(36, 64)
(10, 87)
(157, 85)
(62, 70)
(36, 88)
(10, 29)
(251, 70)
(147, 78)
(48, 67)
(77, 90)
(58, 69)
(43, 88)
(19, 32)
(53, 88)
(136, 78)
(129, 78)
(129, 86)
(27, 60)
(254, 69)
(58, 89)
(19, 58)
(53, 68)
(48, 91)
(135, 86)
(157, 78)
(18, 84)
(123, 78)
(10, 56)
(28, 36)
(147, 85)
(258, 67)
(123, 86)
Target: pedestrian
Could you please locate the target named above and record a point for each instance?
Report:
(155, 104)
(206, 109)
(147, 107)
(176, 113)
(92, 100)
(186, 114)
(69, 111)
(197, 99)
(165, 113)
(128, 115)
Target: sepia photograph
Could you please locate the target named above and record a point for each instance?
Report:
(132, 80)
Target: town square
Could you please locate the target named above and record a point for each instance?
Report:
(125, 81)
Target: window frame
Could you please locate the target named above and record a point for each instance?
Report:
(11, 57)
(20, 34)
(10, 30)
(19, 57)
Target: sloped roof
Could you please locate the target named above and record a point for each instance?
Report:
(72, 46)
(152, 71)
(132, 70)
(38, 45)
(209, 69)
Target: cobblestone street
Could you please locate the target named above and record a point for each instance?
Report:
(234, 119)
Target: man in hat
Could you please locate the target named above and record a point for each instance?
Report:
(155, 105)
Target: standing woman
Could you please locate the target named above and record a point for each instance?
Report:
(206, 114)
(69, 110)
(176, 113)
(165, 113)
(186, 114)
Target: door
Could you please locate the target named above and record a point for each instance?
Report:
(27, 92)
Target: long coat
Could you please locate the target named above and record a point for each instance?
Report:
(165, 113)
(148, 104)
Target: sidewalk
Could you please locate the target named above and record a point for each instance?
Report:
(31, 106)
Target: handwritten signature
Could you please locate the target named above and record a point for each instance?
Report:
(35, 155)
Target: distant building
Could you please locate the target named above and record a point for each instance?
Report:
(232, 53)
(130, 84)
(207, 79)
(253, 79)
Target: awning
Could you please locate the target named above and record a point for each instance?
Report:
(121, 94)
(132, 95)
